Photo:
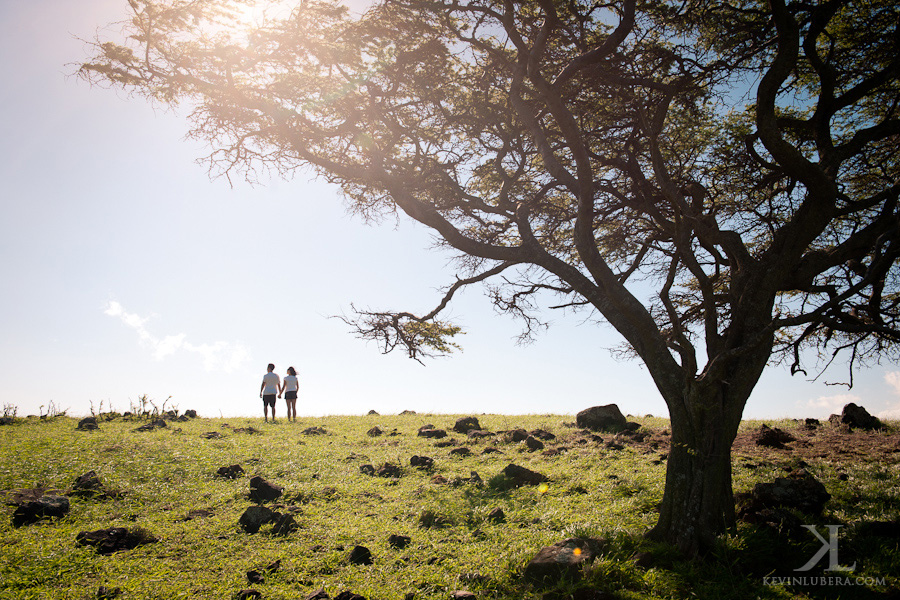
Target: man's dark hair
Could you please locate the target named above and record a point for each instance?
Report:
(271, 367)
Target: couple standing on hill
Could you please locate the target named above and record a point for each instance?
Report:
(272, 386)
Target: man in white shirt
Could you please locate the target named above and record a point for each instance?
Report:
(268, 391)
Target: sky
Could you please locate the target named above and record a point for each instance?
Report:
(129, 273)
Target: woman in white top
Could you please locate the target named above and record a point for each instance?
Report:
(289, 388)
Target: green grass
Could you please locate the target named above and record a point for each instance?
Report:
(593, 491)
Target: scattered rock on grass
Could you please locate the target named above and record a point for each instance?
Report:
(375, 431)
(462, 595)
(230, 472)
(115, 539)
(466, 424)
(497, 516)
(563, 559)
(360, 555)
(105, 593)
(462, 451)
(428, 431)
(263, 491)
(44, 507)
(800, 491)
(399, 542)
(602, 418)
(520, 476)
(389, 470)
(318, 595)
(247, 594)
(87, 424)
(421, 462)
(773, 437)
(314, 431)
(284, 524)
(349, 596)
(857, 417)
(533, 443)
(255, 517)
(88, 486)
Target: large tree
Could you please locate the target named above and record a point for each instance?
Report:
(717, 180)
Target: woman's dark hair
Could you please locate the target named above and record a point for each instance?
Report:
(291, 371)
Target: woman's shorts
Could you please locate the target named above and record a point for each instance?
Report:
(290, 395)
(269, 400)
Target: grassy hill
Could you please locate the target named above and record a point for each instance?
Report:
(162, 482)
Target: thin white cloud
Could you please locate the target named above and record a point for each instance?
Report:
(827, 405)
(217, 356)
(892, 378)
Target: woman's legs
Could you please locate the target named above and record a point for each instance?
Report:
(292, 409)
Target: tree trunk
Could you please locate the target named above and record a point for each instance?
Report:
(698, 503)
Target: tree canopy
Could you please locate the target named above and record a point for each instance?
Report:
(717, 180)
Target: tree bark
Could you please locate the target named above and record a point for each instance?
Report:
(698, 502)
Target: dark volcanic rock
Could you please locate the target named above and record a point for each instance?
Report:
(105, 593)
(263, 491)
(497, 516)
(466, 424)
(463, 451)
(367, 469)
(421, 462)
(230, 472)
(432, 433)
(247, 594)
(857, 417)
(314, 431)
(44, 507)
(534, 444)
(88, 486)
(516, 435)
(349, 596)
(563, 559)
(255, 517)
(773, 437)
(521, 476)
(399, 541)
(190, 414)
(87, 424)
(114, 539)
(389, 470)
(284, 524)
(318, 595)
(602, 418)
(375, 431)
(360, 555)
(800, 491)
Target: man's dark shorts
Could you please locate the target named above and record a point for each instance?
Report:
(269, 400)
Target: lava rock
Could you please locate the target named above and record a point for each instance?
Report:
(284, 524)
(602, 418)
(520, 476)
(534, 444)
(115, 539)
(563, 559)
(44, 507)
(230, 472)
(255, 517)
(857, 417)
(360, 555)
(87, 424)
(421, 462)
(773, 437)
(263, 491)
(466, 424)
(399, 542)
(800, 491)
